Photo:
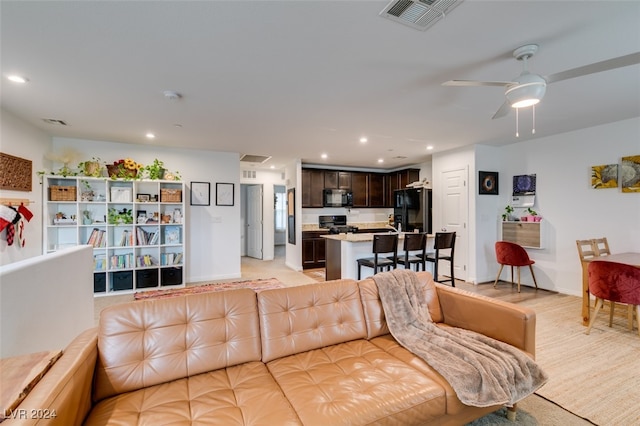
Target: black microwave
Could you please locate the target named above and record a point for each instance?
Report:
(337, 198)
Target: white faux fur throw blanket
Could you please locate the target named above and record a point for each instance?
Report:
(482, 371)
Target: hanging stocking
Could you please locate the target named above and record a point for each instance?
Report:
(21, 239)
(7, 215)
(24, 212)
(11, 232)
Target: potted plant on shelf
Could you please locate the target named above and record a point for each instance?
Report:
(507, 213)
(533, 215)
(93, 167)
(86, 217)
(154, 170)
(122, 217)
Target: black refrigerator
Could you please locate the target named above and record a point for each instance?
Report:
(412, 210)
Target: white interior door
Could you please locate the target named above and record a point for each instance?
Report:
(454, 213)
(254, 221)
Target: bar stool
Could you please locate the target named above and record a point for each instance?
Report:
(443, 241)
(382, 244)
(413, 242)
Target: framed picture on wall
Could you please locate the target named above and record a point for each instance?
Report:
(488, 183)
(200, 193)
(224, 194)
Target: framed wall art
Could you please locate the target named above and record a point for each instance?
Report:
(200, 193)
(224, 194)
(630, 172)
(15, 173)
(605, 176)
(488, 183)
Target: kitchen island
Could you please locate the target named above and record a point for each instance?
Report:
(343, 251)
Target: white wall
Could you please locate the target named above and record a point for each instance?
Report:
(212, 232)
(45, 301)
(571, 209)
(20, 139)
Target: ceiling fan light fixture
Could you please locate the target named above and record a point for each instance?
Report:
(529, 90)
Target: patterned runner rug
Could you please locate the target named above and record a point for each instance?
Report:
(256, 285)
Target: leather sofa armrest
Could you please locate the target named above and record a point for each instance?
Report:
(507, 322)
(63, 395)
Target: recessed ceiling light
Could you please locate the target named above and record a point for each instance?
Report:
(17, 78)
(380, 160)
(272, 167)
(150, 135)
(324, 156)
(363, 140)
(429, 147)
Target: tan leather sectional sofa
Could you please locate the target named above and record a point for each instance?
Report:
(318, 354)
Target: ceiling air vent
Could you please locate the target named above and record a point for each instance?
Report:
(254, 158)
(418, 14)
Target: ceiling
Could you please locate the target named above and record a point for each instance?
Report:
(298, 79)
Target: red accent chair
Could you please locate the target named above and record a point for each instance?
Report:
(512, 254)
(616, 282)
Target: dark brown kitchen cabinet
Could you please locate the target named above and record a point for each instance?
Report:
(360, 188)
(334, 179)
(377, 187)
(400, 180)
(313, 249)
(312, 186)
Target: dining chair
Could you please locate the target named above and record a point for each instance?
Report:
(382, 244)
(413, 242)
(601, 246)
(512, 254)
(586, 249)
(616, 282)
(443, 241)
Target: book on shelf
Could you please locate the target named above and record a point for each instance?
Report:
(99, 262)
(178, 259)
(172, 235)
(121, 261)
(96, 238)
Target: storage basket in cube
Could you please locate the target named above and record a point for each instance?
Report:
(168, 195)
(62, 193)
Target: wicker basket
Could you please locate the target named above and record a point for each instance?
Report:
(170, 195)
(62, 193)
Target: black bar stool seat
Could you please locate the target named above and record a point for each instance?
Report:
(382, 244)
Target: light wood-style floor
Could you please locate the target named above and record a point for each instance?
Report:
(256, 268)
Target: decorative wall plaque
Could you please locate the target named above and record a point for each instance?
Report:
(15, 173)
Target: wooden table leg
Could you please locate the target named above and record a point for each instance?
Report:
(586, 297)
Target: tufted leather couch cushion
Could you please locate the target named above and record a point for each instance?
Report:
(243, 394)
(149, 342)
(298, 319)
(357, 383)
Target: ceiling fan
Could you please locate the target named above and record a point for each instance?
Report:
(528, 89)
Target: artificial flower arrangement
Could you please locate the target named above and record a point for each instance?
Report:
(124, 169)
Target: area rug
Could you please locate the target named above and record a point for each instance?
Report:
(596, 376)
(255, 285)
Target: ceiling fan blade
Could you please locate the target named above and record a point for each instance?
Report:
(609, 64)
(465, 83)
(502, 111)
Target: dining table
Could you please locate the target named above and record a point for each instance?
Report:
(629, 258)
